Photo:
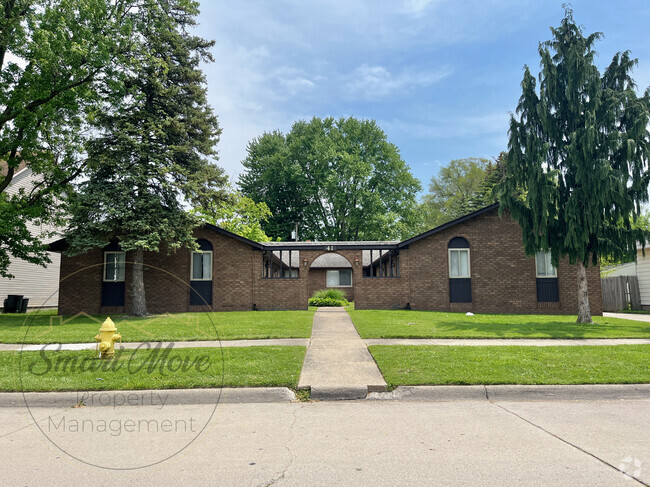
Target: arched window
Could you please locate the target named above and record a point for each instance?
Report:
(201, 274)
(460, 282)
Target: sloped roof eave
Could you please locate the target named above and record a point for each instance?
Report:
(444, 226)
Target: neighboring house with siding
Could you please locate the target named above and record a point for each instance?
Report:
(475, 263)
(38, 284)
(643, 275)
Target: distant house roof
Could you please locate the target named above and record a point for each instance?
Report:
(4, 167)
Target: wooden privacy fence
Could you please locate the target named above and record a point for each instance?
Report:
(620, 292)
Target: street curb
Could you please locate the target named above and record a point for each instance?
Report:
(590, 392)
(173, 397)
(338, 393)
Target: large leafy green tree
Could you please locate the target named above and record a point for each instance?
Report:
(336, 179)
(460, 187)
(238, 214)
(576, 168)
(150, 157)
(57, 59)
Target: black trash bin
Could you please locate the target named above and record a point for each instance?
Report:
(23, 308)
(13, 303)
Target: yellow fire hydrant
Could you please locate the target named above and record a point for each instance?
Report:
(107, 338)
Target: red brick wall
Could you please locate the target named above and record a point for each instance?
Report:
(385, 292)
(166, 277)
(503, 278)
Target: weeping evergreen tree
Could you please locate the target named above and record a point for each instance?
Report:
(150, 157)
(576, 168)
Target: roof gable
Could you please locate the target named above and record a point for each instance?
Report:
(444, 226)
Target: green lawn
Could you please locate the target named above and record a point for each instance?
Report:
(46, 327)
(434, 324)
(420, 365)
(245, 366)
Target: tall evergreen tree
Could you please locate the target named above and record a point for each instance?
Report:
(576, 168)
(150, 157)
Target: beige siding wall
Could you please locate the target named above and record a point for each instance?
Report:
(643, 273)
(38, 284)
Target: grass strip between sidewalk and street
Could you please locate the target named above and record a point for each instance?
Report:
(436, 324)
(151, 369)
(440, 365)
(47, 327)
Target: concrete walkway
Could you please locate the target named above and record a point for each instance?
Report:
(504, 342)
(338, 364)
(628, 316)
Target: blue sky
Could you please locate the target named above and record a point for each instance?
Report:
(440, 77)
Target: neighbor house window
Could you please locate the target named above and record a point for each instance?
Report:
(114, 264)
(202, 266)
(339, 278)
(544, 266)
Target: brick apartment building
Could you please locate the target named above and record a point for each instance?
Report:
(475, 263)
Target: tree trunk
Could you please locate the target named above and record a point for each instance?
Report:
(584, 310)
(138, 300)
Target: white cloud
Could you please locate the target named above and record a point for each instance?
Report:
(461, 126)
(373, 82)
(418, 7)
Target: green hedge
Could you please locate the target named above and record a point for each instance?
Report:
(329, 297)
(328, 302)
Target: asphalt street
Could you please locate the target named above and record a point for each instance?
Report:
(366, 442)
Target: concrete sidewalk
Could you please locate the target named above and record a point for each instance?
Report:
(268, 342)
(628, 316)
(504, 342)
(337, 364)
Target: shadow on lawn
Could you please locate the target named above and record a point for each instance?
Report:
(431, 324)
(532, 329)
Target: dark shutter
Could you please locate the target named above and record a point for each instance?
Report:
(547, 290)
(460, 290)
(201, 292)
(112, 293)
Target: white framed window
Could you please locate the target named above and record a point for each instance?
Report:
(543, 265)
(459, 263)
(114, 265)
(202, 266)
(339, 278)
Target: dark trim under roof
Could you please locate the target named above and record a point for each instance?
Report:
(252, 243)
(444, 226)
(61, 245)
(330, 246)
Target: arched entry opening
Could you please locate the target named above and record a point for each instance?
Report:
(331, 271)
